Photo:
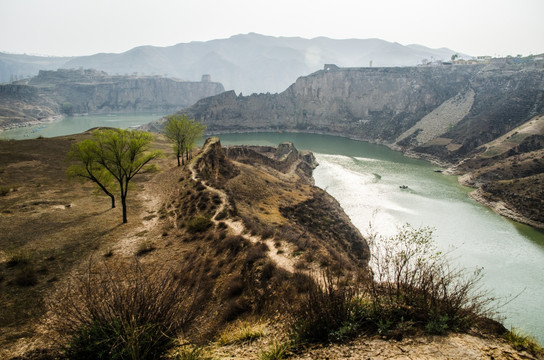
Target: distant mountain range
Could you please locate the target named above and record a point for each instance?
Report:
(249, 63)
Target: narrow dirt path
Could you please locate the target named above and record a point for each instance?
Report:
(238, 227)
(151, 199)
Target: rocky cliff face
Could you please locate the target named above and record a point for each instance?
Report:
(509, 173)
(375, 104)
(447, 113)
(442, 111)
(504, 98)
(88, 91)
(22, 104)
(284, 158)
(99, 93)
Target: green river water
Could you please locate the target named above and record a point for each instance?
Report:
(365, 179)
(78, 124)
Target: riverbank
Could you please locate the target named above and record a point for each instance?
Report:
(498, 206)
(501, 207)
(22, 125)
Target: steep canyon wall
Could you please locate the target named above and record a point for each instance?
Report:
(445, 111)
(94, 92)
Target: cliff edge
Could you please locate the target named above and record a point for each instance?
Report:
(71, 92)
(446, 114)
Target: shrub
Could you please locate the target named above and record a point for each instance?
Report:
(256, 252)
(198, 224)
(4, 190)
(326, 311)
(122, 312)
(234, 308)
(144, 247)
(221, 215)
(412, 281)
(234, 287)
(26, 276)
(409, 285)
(231, 243)
(18, 258)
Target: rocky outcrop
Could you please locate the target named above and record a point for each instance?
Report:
(23, 104)
(373, 104)
(94, 92)
(271, 191)
(284, 158)
(445, 113)
(100, 93)
(508, 173)
(504, 99)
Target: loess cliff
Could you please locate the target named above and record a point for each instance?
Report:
(242, 230)
(240, 222)
(68, 92)
(445, 113)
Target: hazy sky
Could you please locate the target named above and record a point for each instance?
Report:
(84, 27)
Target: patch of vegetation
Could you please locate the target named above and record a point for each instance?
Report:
(4, 190)
(26, 276)
(191, 352)
(523, 342)
(277, 351)
(241, 332)
(325, 311)
(18, 258)
(414, 282)
(144, 247)
(123, 312)
(411, 286)
(198, 224)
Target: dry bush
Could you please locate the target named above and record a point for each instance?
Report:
(325, 311)
(256, 252)
(124, 311)
(234, 287)
(198, 224)
(233, 308)
(4, 190)
(232, 244)
(410, 286)
(26, 275)
(144, 247)
(413, 281)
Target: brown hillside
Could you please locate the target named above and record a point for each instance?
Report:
(509, 173)
(217, 215)
(242, 228)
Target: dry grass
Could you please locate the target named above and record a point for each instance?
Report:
(237, 275)
(124, 310)
(55, 222)
(241, 332)
(523, 342)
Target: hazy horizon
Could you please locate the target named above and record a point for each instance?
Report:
(69, 28)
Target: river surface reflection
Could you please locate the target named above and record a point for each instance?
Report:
(366, 179)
